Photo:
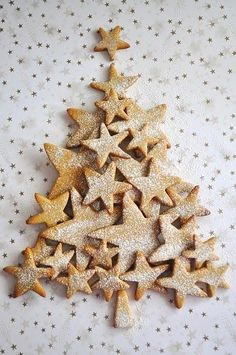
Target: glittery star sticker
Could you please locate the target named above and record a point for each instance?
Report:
(186, 207)
(203, 251)
(183, 281)
(144, 275)
(41, 250)
(53, 210)
(109, 281)
(122, 316)
(114, 106)
(69, 167)
(89, 124)
(154, 185)
(27, 275)
(101, 256)
(136, 233)
(104, 186)
(116, 82)
(58, 261)
(106, 145)
(76, 230)
(111, 41)
(77, 280)
(176, 240)
(213, 277)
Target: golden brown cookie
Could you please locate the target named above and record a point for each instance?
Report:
(213, 277)
(41, 250)
(101, 256)
(122, 316)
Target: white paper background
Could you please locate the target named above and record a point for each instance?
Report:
(185, 54)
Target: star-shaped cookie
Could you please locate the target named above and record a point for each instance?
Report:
(106, 145)
(101, 256)
(144, 275)
(122, 316)
(111, 41)
(116, 82)
(109, 281)
(213, 277)
(113, 106)
(77, 280)
(154, 185)
(141, 139)
(76, 230)
(136, 233)
(104, 186)
(27, 275)
(53, 210)
(176, 240)
(88, 123)
(186, 207)
(58, 261)
(183, 281)
(203, 251)
(41, 250)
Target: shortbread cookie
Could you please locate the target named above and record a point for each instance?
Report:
(104, 186)
(122, 316)
(117, 82)
(111, 41)
(77, 280)
(53, 210)
(213, 277)
(136, 233)
(106, 145)
(109, 281)
(58, 261)
(27, 275)
(75, 231)
(41, 250)
(89, 124)
(101, 256)
(144, 275)
(113, 106)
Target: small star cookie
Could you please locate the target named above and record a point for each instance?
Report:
(101, 256)
(104, 186)
(116, 82)
(141, 139)
(122, 316)
(27, 275)
(53, 210)
(144, 275)
(77, 280)
(41, 250)
(111, 41)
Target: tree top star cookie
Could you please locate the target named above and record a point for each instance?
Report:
(104, 186)
(77, 280)
(101, 256)
(136, 233)
(113, 106)
(111, 41)
(109, 281)
(53, 210)
(27, 275)
(88, 123)
(144, 275)
(116, 82)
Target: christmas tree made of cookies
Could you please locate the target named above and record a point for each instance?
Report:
(115, 215)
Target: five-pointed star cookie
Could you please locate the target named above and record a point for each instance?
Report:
(27, 275)
(116, 82)
(213, 276)
(77, 280)
(89, 124)
(101, 256)
(176, 240)
(144, 275)
(53, 210)
(158, 154)
(154, 185)
(106, 145)
(122, 316)
(111, 41)
(186, 207)
(113, 106)
(136, 233)
(104, 186)
(76, 230)
(183, 281)
(69, 167)
(58, 261)
(203, 251)
(41, 250)
(109, 281)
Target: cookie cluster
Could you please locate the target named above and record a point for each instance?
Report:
(115, 215)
